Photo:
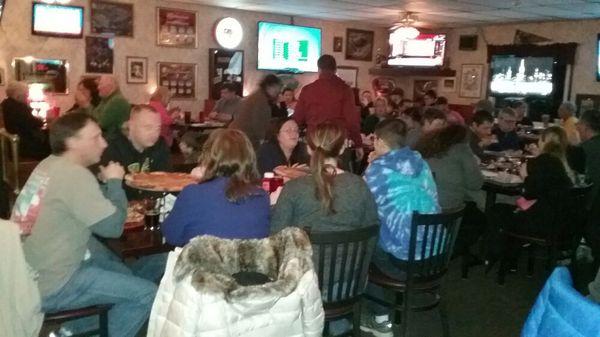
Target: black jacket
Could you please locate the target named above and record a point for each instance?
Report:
(33, 141)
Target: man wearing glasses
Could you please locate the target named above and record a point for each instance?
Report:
(506, 132)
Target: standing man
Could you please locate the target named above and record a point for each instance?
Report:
(113, 109)
(142, 149)
(227, 106)
(589, 130)
(59, 208)
(329, 99)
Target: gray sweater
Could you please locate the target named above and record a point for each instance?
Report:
(298, 206)
(457, 175)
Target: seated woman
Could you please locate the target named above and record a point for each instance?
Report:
(382, 111)
(282, 147)
(329, 199)
(160, 101)
(458, 180)
(86, 96)
(545, 186)
(227, 203)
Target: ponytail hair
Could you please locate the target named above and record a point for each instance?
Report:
(325, 142)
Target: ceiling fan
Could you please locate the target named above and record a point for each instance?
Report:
(405, 19)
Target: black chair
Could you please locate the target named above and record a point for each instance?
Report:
(342, 262)
(423, 276)
(567, 227)
(70, 315)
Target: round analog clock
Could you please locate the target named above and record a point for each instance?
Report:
(228, 32)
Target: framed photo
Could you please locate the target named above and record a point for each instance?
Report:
(420, 87)
(176, 28)
(348, 75)
(98, 55)
(586, 102)
(448, 84)
(52, 73)
(2, 77)
(137, 70)
(225, 66)
(180, 78)
(359, 44)
(338, 43)
(114, 18)
(470, 80)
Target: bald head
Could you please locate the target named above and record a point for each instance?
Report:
(144, 126)
(17, 91)
(107, 84)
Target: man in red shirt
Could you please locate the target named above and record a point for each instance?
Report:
(329, 99)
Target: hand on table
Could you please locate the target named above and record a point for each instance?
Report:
(198, 172)
(112, 170)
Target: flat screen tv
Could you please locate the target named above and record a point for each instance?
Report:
(57, 20)
(288, 48)
(426, 50)
(521, 75)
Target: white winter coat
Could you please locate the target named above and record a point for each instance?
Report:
(198, 297)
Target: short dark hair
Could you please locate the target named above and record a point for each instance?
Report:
(91, 85)
(481, 117)
(286, 89)
(327, 62)
(229, 87)
(431, 114)
(270, 80)
(414, 113)
(392, 132)
(591, 118)
(431, 93)
(275, 126)
(441, 100)
(65, 127)
(397, 91)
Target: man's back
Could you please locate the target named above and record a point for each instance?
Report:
(60, 201)
(328, 99)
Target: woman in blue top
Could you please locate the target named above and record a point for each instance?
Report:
(228, 202)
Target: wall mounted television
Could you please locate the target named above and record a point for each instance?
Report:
(56, 20)
(521, 75)
(288, 48)
(426, 50)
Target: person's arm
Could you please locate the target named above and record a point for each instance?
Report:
(283, 211)
(300, 112)
(112, 225)
(471, 170)
(174, 226)
(352, 117)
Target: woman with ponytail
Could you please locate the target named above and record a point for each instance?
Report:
(227, 203)
(329, 199)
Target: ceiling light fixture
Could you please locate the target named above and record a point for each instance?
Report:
(403, 29)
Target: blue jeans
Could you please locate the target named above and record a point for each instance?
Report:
(382, 260)
(102, 281)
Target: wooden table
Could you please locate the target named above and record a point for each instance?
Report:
(138, 243)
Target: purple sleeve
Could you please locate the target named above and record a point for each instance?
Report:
(173, 228)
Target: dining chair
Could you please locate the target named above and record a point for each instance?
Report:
(567, 227)
(341, 261)
(427, 263)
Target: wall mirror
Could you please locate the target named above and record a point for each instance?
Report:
(51, 73)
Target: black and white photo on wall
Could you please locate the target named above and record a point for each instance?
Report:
(137, 70)
(99, 55)
(225, 66)
(112, 18)
(338, 43)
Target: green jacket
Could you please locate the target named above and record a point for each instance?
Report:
(112, 112)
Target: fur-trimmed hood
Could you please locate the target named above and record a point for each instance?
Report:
(284, 257)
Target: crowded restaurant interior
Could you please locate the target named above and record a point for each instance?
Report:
(274, 168)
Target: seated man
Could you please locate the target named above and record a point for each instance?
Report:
(401, 183)
(60, 206)
(520, 108)
(227, 106)
(452, 116)
(506, 132)
(480, 132)
(19, 120)
(142, 149)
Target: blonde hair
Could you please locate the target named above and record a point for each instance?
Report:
(162, 95)
(555, 142)
(17, 90)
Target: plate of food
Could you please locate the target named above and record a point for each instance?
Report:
(160, 181)
(135, 216)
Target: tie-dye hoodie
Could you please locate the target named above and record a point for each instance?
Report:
(401, 183)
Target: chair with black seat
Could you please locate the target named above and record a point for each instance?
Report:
(423, 275)
(567, 227)
(70, 315)
(342, 262)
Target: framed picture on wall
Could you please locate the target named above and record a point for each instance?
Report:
(114, 18)
(348, 75)
(137, 70)
(180, 78)
(448, 84)
(338, 44)
(2, 77)
(586, 102)
(176, 28)
(471, 76)
(359, 44)
(98, 55)
(225, 66)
